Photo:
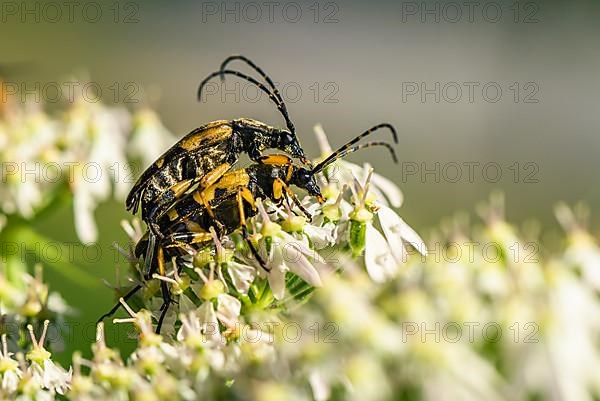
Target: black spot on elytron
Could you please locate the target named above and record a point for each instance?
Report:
(187, 167)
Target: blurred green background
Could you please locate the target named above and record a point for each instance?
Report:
(356, 64)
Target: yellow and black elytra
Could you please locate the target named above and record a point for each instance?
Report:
(226, 205)
(208, 152)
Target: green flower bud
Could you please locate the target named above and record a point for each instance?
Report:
(31, 308)
(183, 282)
(332, 212)
(225, 256)
(270, 229)
(38, 355)
(294, 224)
(358, 237)
(211, 289)
(361, 215)
(202, 258)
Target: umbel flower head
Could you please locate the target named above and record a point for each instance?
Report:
(293, 247)
(42, 369)
(81, 150)
(238, 331)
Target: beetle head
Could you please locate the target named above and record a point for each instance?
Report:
(305, 179)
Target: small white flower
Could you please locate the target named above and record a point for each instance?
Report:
(200, 330)
(50, 375)
(383, 255)
(286, 253)
(133, 229)
(583, 252)
(228, 310)
(142, 321)
(242, 275)
(317, 233)
(57, 304)
(205, 324)
(397, 232)
(320, 386)
(55, 377)
(100, 164)
(9, 369)
(379, 261)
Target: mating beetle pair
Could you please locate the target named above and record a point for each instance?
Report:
(206, 153)
(192, 186)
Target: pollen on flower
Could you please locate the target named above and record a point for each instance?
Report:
(38, 354)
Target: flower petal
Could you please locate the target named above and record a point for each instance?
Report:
(277, 282)
(396, 225)
(379, 261)
(209, 323)
(242, 276)
(228, 309)
(305, 270)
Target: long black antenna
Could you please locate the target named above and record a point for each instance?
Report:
(347, 150)
(281, 107)
(257, 69)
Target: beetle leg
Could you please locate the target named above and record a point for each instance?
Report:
(176, 192)
(184, 240)
(201, 198)
(244, 193)
(279, 186)
(247, 196)
(164, 287)
(206, 182)
(149, 267)
(118, 305)
(164, 308)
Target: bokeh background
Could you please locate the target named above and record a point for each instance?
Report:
(347, 65)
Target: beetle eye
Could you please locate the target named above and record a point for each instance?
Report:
(286, 138)
(305, 176)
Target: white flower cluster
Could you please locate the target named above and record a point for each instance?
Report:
(488, 314)
(29, 375)
(462, 327)
(82, 150)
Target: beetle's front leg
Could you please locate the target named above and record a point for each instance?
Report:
(279, 187)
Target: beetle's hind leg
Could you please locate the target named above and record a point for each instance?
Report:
(185, 240)
(115, 308)
(245, 194)
(182, 240)
(167, 300)
(150, 268)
